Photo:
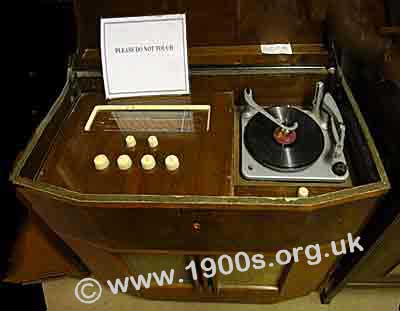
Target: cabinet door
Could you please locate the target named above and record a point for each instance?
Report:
(265, 279)
(275, 280)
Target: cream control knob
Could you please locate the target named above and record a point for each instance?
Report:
(172, 163)
(303, 192)
(153, 141)
(124, 162)
(101, 162)
(130, 141)
(148, 162)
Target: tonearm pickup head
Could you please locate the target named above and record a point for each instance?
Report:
(317, 101)
(248, 96)
(338, 127)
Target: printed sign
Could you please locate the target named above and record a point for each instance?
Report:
(144, 56)
(276, 49)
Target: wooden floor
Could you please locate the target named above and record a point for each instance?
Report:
(60, 297)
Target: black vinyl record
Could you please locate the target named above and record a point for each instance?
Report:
(264, 148)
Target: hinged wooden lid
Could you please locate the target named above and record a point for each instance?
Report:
(220, 25)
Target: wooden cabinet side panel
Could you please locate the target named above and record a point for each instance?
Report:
(103, 265)
(379, 264)
(39, 254)
(304, 278)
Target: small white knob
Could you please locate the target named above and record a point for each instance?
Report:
(303, 192)
(130, 141)
(101, 162)
(172, 163)
(148, 162)
(153, 141)
(124, 162)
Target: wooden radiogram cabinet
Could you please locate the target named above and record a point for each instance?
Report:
(134, 222)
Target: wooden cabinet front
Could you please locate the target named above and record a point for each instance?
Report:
(133, 227)
(261, 283)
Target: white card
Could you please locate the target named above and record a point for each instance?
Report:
(144, 56)
(277, 49)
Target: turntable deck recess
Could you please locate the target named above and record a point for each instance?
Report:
(268, 152)
(312, 150)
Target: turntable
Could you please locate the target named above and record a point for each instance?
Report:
(287, 143)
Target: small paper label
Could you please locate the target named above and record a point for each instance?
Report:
(145, 56)
(277, 49)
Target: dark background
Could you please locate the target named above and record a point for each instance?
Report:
(48, 36)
